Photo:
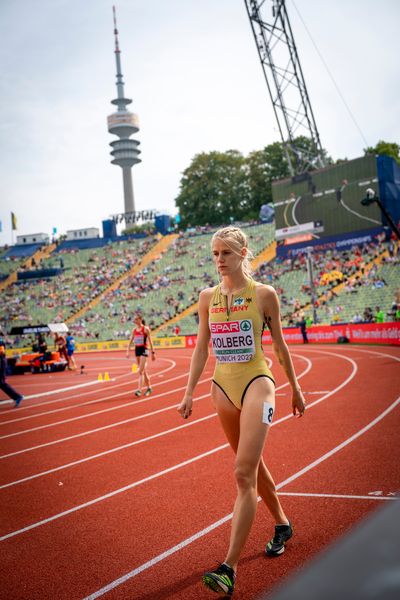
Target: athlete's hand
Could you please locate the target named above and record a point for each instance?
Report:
(298, 403)
(185, 407)
(153, 355)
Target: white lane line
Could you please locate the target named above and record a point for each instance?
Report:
(342, 445)
(113, 493)
(305, 393)
(104, 427)
(376, 352)
(153, 476)
(112, 450)
(24, 407)
(294, 210)
(51, 392)
(127, 445)
(61, 390)
(157, 559)
(355, 348)
(339, 496)
(89, 432)
(88, 403)
(215, 525)
(99, 412)
(358, 214)
(95, 401)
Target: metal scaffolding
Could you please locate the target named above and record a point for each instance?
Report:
(287, 89)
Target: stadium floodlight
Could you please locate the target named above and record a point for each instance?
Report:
(371, 197)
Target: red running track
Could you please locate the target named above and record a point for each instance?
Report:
(107, 495)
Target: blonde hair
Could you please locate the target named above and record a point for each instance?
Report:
(236, 240)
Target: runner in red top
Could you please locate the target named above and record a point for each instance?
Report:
(141, 337)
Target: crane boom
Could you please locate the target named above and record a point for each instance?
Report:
(286, 85)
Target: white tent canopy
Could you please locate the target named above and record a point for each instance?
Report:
(57, 327)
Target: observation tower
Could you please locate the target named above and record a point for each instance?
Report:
(123, 124)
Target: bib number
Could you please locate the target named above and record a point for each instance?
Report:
(268, 413)
(233, 341)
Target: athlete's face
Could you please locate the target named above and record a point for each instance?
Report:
(226, 260)
(137, 321)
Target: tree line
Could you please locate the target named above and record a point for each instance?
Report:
(221, 187)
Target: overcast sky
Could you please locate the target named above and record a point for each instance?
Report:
(193, 72)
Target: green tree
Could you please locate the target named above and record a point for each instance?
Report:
(219, 187)
(265, 166)
(388, 148)
(213, 189)
(148, 227)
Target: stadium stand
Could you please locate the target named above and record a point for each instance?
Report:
(22, 258)
(164, 289)
(369, 284)
(99, 289)
(346, 283)
(86, 274)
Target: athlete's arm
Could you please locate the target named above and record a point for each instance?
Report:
(200, 354)
(148, 333)
(270, 303)
(129, 343)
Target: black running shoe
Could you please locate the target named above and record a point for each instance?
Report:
(222, 580)
(148, 392)
(138, 393)
(18, 401)
(276, 546)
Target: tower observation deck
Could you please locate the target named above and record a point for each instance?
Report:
(122, 123)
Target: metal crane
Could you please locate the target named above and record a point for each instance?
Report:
(287, 89)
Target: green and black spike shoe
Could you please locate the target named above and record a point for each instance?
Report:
(222, 580)
(276, 546)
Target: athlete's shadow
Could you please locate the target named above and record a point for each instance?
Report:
(175, 587)
(194, 579)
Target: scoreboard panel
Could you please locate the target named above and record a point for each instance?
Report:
(331, 196)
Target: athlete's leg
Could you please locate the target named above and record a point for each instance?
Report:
(253, 433)
(146, 377)
(72, 361)
(229, 416)
(64, 354)
(267, 490)
(142, 372)
(140, 382)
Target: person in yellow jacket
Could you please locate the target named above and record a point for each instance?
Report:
(232, 315)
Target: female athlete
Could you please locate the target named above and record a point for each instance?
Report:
(141, 337)
(233, 314)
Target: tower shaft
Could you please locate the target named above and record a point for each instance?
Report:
(287, 89)
(122, 123)
(128, 190)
